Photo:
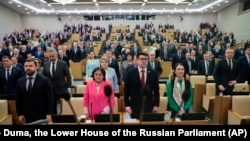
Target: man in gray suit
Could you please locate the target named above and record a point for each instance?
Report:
(58, 72)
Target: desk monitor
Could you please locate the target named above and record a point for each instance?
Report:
(106, 117)
(194, 116)
(63, 118)
(241, 93)
(153, 117)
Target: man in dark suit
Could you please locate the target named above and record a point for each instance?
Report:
(35, 96)
(154, 64)
(136, 79)
(63, 57)
(225, 73)
(8, 79)
(59, 75)
(205, 66)
(178, 57)
(188, 64)
(244, 66)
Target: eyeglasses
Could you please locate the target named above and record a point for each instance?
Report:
(143, 59)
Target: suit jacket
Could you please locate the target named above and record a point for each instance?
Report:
(176, 59)
(8, 88)
(96, 102)
(223, 74)
(202, 69)
(39, 103)
(157, 67)
(185, 63)
(58, 81)
(132, 92)
(244, 67)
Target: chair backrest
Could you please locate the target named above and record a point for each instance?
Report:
(162, 89)
(77, 103)
(241, 87)
(210, 89)
(79, 89)
(241, 104)
(197, 79)
(163, 104)
(3, 108)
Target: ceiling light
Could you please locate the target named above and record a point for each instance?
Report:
(175, 1)
(63, 2)
(120, 1)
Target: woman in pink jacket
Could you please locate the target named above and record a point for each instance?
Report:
(98, 95)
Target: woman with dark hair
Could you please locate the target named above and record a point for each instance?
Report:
(179, 92)
(95, 99)
(126, 63)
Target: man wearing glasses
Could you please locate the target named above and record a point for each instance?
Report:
(137, 78)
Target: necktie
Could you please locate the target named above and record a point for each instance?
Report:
(249, 61)
(8, 74)
(30, 85)
(142, 77)
(207, 68)
(53, 69)
(152, 65)
(229, 64)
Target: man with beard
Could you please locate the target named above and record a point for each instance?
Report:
(35, 98)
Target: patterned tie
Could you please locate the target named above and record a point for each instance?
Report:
(142, 77)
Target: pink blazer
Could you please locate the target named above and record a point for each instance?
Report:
(94, 102)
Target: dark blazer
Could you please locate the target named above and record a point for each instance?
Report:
(8, 88)
(202, 69)
(185, 63)
(176, 59)
(39, 103)
(157, 69)
(244, 67)
(58, 81)
(223, 74)
(65, 58)
(132, 94)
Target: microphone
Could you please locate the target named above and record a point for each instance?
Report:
(108, 93)
(66, 97)
(144, 92)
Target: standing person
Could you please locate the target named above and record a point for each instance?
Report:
(91, 64)
(109, 73)
(136, 78)
(154, 64)
(95, 99)
(8, 79)
(225, 73)
(244, 66)
(35, 96)
(58, 72)
(179, 92)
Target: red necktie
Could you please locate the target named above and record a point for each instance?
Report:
(142, 77)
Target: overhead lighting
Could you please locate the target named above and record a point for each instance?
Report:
(63, 2)
(175, 1)
(120, 1)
